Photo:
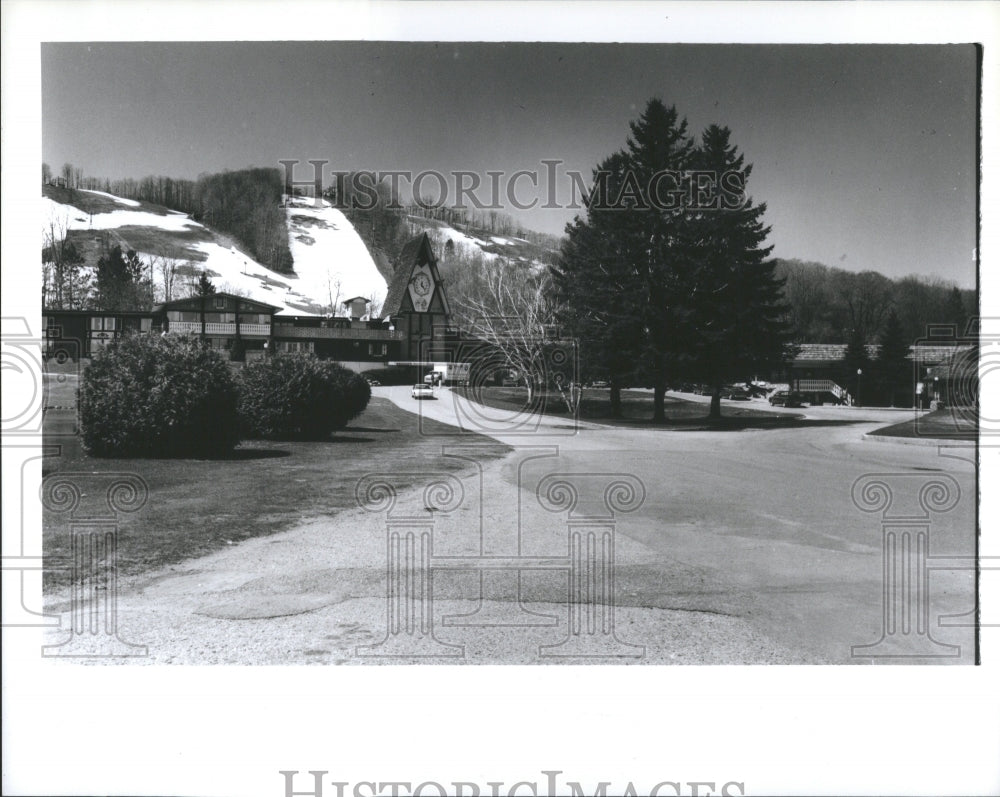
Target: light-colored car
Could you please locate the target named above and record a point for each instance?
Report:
(422, 391)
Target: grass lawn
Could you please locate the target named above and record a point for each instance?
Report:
(96, 203)
(947, 424)
(198, 506)
(637, 409)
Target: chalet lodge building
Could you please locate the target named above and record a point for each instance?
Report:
(413, 331)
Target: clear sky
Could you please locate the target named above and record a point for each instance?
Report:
(865, 155)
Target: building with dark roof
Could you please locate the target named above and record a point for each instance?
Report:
(414, 328)
(221, 319)
(416, 305)
(818, 369)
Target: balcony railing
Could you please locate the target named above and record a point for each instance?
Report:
(215, 328)
(315, 333)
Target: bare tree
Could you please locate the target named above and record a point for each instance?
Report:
(235, 290)
(332, 291)
(167, 269)
(66, 285)
(512, 310)
(868, 296)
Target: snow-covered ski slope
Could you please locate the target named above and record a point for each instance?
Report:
(483, 246)
(331, 261)
(330, 258)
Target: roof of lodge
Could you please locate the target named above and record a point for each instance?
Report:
(834, 352)
(218, 294)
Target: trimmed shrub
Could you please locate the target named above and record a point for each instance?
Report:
(392, 375)
(298, 397)
(151, 396)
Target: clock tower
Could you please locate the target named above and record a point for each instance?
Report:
(416, 303)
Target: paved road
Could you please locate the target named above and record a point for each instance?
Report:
(747, 548)
(761, 525)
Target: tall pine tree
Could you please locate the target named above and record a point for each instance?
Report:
(856, 372)
(742, 326)
(893, 372)
(665, 280)
(597, 284)
(657, 224)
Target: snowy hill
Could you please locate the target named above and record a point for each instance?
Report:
(484, 245)
(330, 260)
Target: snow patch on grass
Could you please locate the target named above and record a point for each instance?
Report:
(120, 200)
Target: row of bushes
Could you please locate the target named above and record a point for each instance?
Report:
(153, 396)
(393, 375)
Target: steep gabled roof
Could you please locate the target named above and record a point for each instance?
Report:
(195, 301)
(416, 251)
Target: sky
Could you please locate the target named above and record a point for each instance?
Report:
(864, 154)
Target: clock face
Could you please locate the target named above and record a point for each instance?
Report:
(421, 284)
(421, 289)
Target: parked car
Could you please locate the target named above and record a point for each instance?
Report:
(784, 398)
(422, 391)
(736, 394)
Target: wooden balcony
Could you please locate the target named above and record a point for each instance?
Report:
(287, 331)
(213, 328)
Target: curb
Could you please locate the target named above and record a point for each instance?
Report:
(918, 441)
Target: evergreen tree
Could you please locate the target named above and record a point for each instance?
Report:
(956, 311)
(742, 324)
(122, 282)
(855, 359)
(204, 287)
(893, 372)
(666, 280)
(659, 245)
(598, 287)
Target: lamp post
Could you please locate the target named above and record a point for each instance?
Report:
(857, 401)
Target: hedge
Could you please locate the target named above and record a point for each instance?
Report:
(293, 396)
(153, 396)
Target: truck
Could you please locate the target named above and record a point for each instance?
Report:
(448, 374)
